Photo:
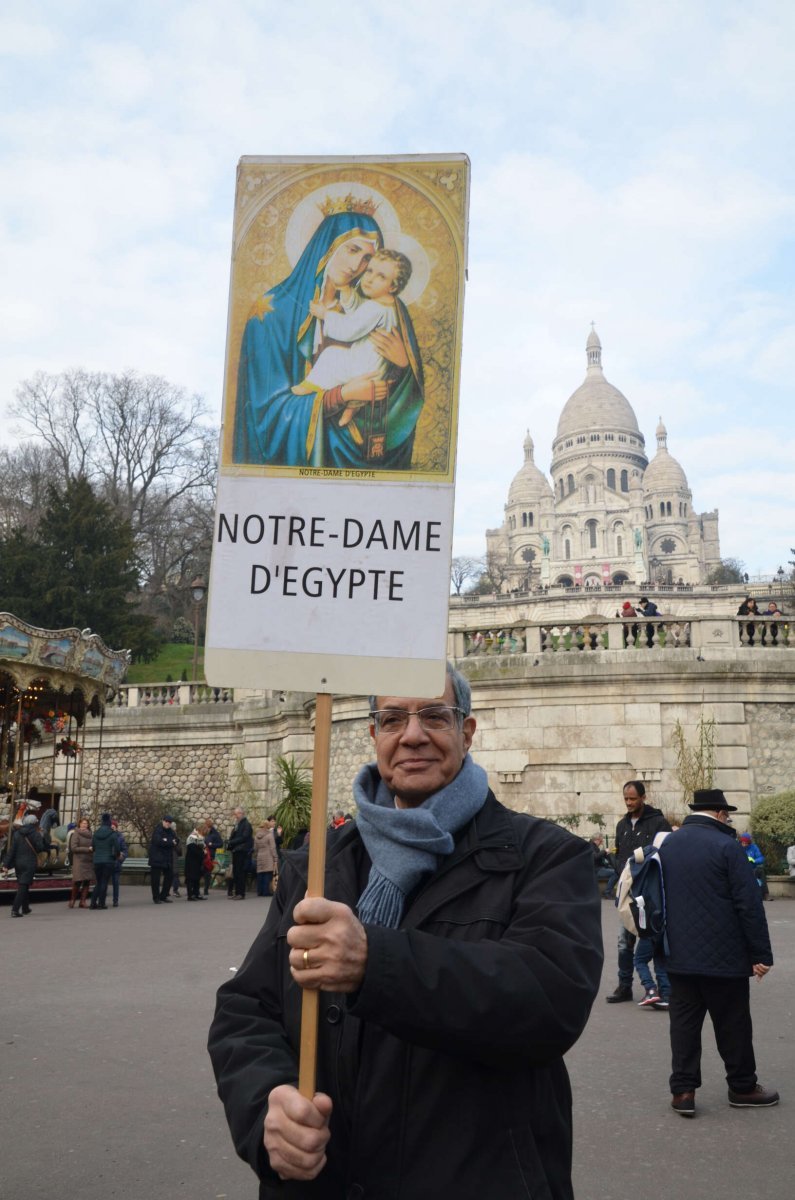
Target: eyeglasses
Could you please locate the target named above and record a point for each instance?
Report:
(438, 718)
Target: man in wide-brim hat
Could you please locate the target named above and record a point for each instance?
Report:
(718, 938)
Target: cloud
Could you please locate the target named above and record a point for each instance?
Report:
(627, 169)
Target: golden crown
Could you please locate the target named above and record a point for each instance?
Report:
(349, 204)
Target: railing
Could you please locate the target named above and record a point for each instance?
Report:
(766, 632)
(154, 695)
(636, 633)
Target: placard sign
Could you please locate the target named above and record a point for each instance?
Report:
(333, 531)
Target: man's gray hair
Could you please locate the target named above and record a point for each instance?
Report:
(461, 690)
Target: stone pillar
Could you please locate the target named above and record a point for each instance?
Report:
(715, 633)
(615, 635)
(532, 639)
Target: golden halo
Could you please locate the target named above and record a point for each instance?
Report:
(308, 214)
(420, 264)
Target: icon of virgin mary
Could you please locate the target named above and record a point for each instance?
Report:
(281, 418)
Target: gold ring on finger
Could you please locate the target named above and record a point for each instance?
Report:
(306, 960)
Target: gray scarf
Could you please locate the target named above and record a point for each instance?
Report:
(405, 844)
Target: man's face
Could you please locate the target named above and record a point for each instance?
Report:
(415, 763)
(633, 801)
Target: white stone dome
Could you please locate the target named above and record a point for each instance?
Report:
(596, 404)
(529, 483)
(664, 473)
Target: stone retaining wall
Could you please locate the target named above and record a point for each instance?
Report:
(558, 734)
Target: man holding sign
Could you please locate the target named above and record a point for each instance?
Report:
(457, 952)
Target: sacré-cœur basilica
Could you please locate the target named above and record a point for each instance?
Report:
(609, 516)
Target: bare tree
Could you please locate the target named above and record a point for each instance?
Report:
(498, 569)
(144, 446)
(25, 473)
(137, 438)
(462, 569)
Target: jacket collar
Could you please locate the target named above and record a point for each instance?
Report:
(487, 843)
(709, 823)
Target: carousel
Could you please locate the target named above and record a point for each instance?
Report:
(51, 682)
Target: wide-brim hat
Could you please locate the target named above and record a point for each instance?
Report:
(712, 799)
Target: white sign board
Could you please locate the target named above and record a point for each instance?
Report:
(331, 560)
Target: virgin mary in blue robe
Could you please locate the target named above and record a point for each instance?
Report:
(275, 426)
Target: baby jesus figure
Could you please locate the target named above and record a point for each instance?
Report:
(369, 308)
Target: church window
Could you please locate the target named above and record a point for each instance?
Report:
(622, 437)
(570, 483)
(611, 479)
(581, 440)
(624, 482)
(594, 437)
(609, 437)
(560, 487)
(591, 531)
(662, 508)
(619, 546)
(668, 545)
(524, 519)
(530, 520)
(668, 508)
(567, 549)
(569, 443)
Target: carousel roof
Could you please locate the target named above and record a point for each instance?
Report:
(59, 663)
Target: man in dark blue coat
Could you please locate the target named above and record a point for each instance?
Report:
(718, 938)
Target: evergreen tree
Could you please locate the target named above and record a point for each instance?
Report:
(78, 568)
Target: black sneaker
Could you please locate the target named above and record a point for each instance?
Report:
(619, 995)
(758, 1097)
(684, 1104)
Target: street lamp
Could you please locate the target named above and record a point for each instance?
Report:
(198, 590)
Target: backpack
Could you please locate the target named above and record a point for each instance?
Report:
(640, 896)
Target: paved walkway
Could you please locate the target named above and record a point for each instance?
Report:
(106, 1088)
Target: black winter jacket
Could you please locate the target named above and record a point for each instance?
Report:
(714, 912)
(650, 822)
(161, 847)
(242, 837)
(22, 854)
(445, 1068)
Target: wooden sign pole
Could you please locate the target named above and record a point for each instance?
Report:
(307, 1062)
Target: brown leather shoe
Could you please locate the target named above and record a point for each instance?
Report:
(759, 1097)
(685, 1104)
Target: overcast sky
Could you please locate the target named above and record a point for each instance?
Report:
(632, 165)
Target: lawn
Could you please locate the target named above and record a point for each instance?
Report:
(173, 659)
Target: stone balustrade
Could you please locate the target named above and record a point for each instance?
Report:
(633, 634)
(153, 695)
